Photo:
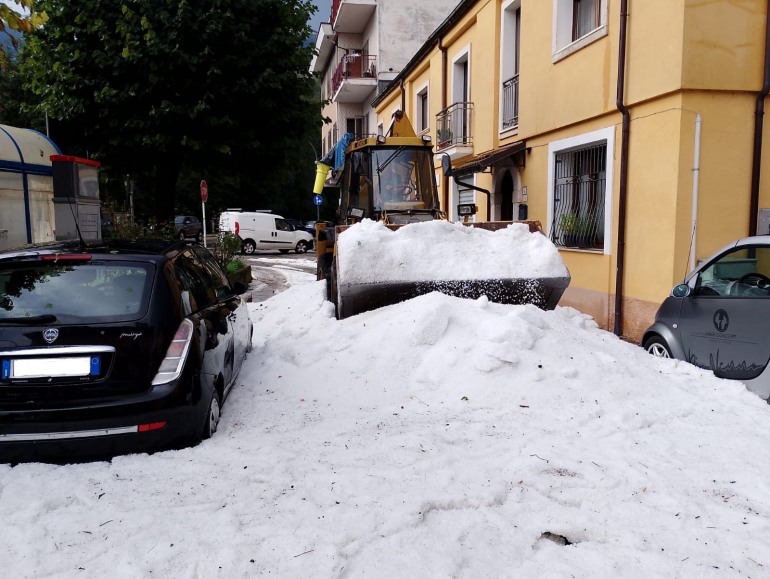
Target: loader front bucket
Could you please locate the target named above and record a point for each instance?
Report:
(377, 265)
(355, 298)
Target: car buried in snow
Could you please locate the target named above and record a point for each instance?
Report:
(718, 318)
(114, 347)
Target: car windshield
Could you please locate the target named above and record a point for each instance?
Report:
(87, 292)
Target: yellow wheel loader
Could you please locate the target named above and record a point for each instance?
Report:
(391, 179)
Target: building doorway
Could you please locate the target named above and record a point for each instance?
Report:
(506, 197)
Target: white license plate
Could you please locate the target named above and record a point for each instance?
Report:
(53, 367)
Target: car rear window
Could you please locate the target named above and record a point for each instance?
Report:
(89, 292)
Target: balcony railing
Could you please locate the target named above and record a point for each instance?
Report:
(453, 126)
(354, 66)
(511, 102)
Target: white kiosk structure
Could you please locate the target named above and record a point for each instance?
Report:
(26, 187)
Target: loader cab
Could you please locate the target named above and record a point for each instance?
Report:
(395, 184)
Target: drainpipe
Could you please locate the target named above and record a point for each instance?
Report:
(445, 184)
(403, 95)
(695, 178)
(623, 190)
(758, 123)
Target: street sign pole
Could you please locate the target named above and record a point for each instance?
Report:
(204, 198)
(317, 200)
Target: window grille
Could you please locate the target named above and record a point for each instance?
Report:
(580, 181)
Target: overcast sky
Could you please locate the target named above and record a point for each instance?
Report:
(322, 15)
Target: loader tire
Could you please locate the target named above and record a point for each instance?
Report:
(332, 285)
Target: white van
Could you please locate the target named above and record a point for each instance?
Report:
(264, 230)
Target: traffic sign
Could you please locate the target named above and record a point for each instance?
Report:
(317, 199)
(204, 191)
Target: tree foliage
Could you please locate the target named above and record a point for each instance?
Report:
(162, 89)
(16, 20)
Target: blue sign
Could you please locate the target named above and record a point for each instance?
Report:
(317, 199)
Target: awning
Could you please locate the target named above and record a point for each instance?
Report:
(488, 158)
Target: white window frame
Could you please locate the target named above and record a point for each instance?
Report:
(419, 121)
(606, 136)
(563, 45)
(507, 55)
(464, 56)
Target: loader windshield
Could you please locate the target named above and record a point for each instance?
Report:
(383, 179)
(403, 178)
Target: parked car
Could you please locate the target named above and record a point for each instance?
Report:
(309, 226)
(265, 231)
(188, 226)
(718, 318)
(120, 346)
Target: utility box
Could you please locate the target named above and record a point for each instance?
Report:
(76, 197)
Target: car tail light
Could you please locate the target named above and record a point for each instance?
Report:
(172, 364)
(150, 426)
(237, 228)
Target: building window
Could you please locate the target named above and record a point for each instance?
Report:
(357, 126)
(577, 23)
(509, 63)
(421, 105)
(580, 182)
(585, 17)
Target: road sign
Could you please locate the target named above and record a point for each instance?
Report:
(317, 199)
(204, 191)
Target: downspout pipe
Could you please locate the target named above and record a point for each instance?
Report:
(445, 184)
(695, 181)
(759, 114)
(623, 189)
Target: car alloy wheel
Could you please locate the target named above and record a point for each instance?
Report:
(301, 246)
(213, 416)
(249, 247)
(657, 347)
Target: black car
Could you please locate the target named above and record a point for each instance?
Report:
(188, 226)
(719, 317)
(120, 346)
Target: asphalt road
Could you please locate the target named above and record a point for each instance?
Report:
(270, 271)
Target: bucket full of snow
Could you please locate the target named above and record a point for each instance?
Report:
(378, 265)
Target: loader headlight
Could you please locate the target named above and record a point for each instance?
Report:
(464, 209)
(355, 212)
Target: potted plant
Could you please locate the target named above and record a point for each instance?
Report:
(572, 229)
(444, 136)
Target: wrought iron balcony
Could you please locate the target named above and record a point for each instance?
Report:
(453, 126)
(511, 102)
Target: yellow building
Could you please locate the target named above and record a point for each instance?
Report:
(631, 129)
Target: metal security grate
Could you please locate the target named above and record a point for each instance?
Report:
(580, 181)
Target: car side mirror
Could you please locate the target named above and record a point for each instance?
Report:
(681, 291)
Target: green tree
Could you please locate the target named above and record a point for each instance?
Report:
(155, 89)
(12, 22)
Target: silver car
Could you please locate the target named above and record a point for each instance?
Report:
(719, 317)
